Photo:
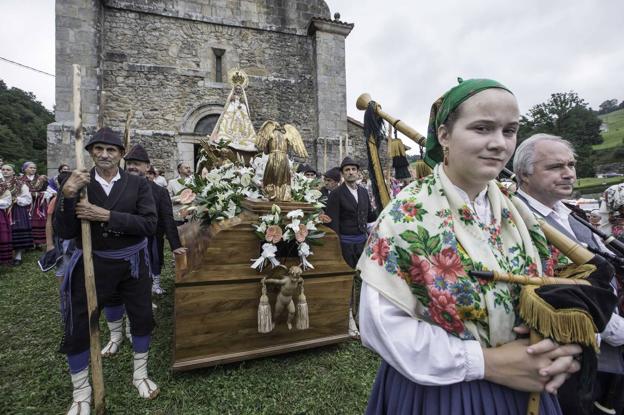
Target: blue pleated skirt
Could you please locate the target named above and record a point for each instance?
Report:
(395, 394)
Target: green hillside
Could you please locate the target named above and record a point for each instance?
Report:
(614, 137)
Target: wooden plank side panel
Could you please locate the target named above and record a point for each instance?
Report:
(219, 320)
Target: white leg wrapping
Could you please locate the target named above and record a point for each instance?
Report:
(128, 334)
(81, 404)
(353, 329)
(116, 338)
(146, 387)
(156, 288)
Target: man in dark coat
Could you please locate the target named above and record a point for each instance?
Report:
(331, 180)
(350, 211)
(545, 166)
(138, 163)
(122, 215)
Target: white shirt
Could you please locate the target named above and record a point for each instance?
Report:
(559, 213)
(420, 351)
(176, 187)
(160, 181)
(106, 185)
(23, 199)
(614, 331)
(354, 192)
(480, 206)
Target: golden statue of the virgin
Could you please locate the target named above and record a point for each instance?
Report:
(234, 125)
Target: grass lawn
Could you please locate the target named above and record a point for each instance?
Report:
(588, 182)
(34, 377)
(615, 136)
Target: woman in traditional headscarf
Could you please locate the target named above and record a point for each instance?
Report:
(448, 340)
(37, 185)
(16, 209)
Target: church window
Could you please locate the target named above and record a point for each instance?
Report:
(218, 64)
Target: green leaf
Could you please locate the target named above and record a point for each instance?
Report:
(404, 258)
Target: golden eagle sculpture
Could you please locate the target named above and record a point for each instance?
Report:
(275, 140)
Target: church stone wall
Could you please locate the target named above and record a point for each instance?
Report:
(157, 58)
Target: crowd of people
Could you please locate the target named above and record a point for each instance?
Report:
(24, 198)
(450, 342)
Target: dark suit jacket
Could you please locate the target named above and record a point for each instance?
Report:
(348, 216)
(166, 225)
(132, 213)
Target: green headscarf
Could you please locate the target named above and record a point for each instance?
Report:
(446, 104)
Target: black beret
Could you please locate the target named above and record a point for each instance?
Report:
(348, 161)
(106, 136)
(137, 153)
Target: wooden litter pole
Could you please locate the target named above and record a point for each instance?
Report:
(87, 257)
(126, 142)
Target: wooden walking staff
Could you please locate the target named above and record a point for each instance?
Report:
(126, 142)
(87, 257)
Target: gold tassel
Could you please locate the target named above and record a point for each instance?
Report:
(303, 320)
(570, 325)
(397, 148)
(265, 325)
(576, 271)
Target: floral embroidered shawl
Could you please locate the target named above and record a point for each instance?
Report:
(427, 239)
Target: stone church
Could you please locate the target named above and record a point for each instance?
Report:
(167, 60)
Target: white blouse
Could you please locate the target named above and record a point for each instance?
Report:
(422, 352)
(23, 199)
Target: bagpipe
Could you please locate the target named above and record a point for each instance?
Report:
(570, 308)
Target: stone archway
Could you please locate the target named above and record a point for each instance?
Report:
(197, 124)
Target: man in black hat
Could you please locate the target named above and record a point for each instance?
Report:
(138, 164)
(307, 171)
(350, 211)
(122, 215)
(331, 180)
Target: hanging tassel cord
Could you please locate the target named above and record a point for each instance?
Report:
(303, 318)
(265, 323)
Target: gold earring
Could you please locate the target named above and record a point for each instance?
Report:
(445, 151)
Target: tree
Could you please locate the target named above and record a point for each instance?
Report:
(608, 106)
(568, 116)
(23, 125)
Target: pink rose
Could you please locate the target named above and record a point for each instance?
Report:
(273, 234)
(381, 249)
(443, 311)
(302, 233)
(447, 264)
(187, 196)
(420, 271)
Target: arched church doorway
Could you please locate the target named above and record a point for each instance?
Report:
(197, 125)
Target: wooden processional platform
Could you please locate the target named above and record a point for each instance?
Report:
(217, 293)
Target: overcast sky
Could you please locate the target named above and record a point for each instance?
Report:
(406, 53)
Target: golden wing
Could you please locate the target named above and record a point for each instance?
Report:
(294, 139)
(264, 134)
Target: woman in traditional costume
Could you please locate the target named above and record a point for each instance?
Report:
(21, 233)
(37, 185)
(448, 340)
(8, 189)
